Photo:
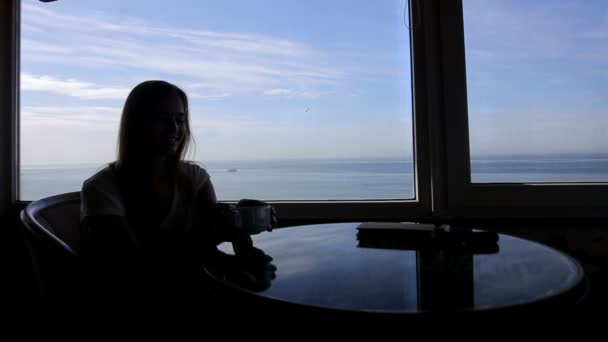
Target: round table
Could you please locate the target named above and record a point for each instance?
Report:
(324, 267)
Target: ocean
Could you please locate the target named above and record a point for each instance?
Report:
(339, 179)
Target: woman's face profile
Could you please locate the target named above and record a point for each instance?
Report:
(165, 124)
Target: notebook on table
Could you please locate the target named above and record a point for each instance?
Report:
(412, 235)
(399, 235)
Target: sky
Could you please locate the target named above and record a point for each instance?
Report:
(537, 76)
(307, 79)
(304, 80)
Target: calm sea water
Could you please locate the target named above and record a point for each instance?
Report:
(342, 179)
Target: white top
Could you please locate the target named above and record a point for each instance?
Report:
(100, 196)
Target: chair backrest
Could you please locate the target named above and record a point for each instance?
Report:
(53, 240)
(55, 221)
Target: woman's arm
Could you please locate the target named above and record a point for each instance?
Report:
(207, 225)
(214, 221)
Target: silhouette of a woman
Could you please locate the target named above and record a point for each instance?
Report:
(150, 198)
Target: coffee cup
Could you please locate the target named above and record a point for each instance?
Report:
(254, 217)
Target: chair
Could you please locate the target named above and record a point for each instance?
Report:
(55, 221)
(53, 241)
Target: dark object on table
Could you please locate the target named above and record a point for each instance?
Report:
(414, 236)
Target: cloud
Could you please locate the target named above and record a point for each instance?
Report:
(233, 63)
(278, 91)
(40, 47)
(209, 65)
(71, 87)
(295, 93)
(197, 95)
(93, 117)
(236, 41)
(44, 146)
(80, 134)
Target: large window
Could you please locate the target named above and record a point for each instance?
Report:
(290, 100)
(526, 97)
(537, 80)
(313, 104)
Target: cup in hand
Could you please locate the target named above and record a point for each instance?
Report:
(254, 216)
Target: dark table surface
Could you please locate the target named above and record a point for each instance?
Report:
(324, 266)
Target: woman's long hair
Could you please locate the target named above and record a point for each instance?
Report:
(138, 105)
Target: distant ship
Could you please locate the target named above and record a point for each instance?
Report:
(232, 170)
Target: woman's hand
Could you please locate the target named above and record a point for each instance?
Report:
(252, 270)
(255, 270)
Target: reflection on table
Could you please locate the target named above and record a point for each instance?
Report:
(324, 267)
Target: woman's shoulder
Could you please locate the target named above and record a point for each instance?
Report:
(105, 177)
(100, 195)
(193, 168)
(194, 173)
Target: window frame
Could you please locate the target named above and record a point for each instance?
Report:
(420, 206)
(473, 200)
(9, 106)
(443, 188)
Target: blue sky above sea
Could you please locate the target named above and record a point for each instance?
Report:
(307, 79)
